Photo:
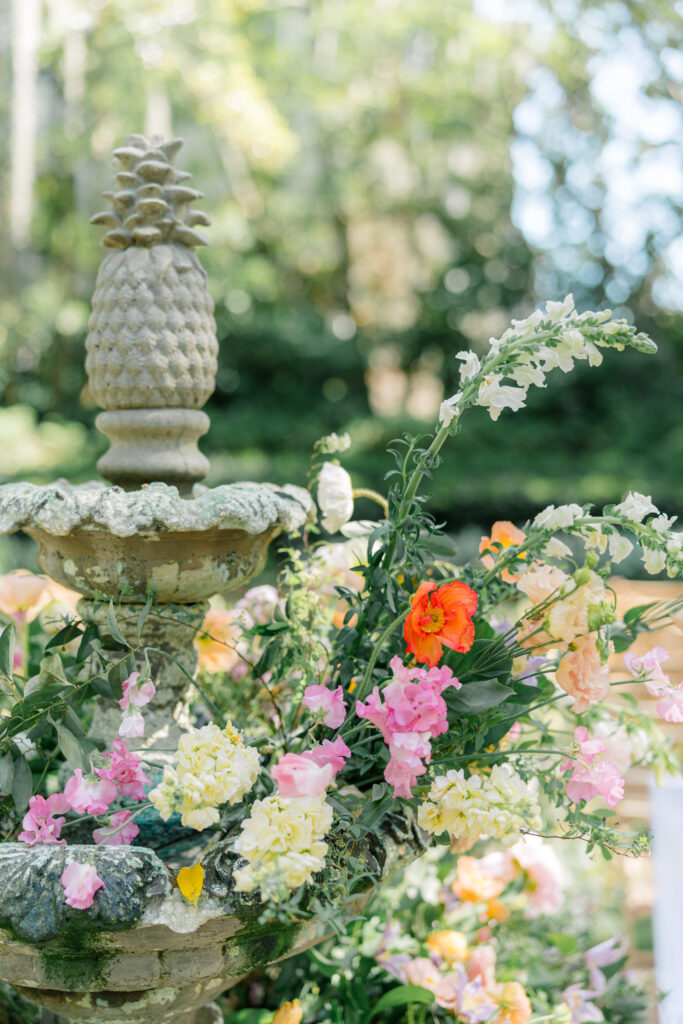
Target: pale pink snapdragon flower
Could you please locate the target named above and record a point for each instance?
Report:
(80, 882)
(119, 832)
(298, 776)
(40, 825)
(409, 712)
(89, 795)
(135, 696)
(330, 702)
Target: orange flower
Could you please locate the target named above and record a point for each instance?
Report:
(513, 1004)
(217, 631)
(288, 1013)
(496, 911)
(473, 884)
(506, 534)
(451, 946)
(440, 616)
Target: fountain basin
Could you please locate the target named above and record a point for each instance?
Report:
(142, 953)
(106, 542)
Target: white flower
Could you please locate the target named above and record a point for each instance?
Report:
(448, 410)
(528, 374)
(595, 538)
(496, 397)
(654, 560)
(619, 547)
(524, 329)
(331, 443)
(556, 548)
(662, 523)
(282, 843)
(675, 542)
(335, 496)
(636, 506)
(593, 354)
(558, 310)
(470, 365)
(559, 518)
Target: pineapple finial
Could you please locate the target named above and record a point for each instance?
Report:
(150, 204)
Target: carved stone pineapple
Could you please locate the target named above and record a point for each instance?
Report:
(151, 347)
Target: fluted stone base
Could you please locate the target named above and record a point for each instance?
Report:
(153, 444)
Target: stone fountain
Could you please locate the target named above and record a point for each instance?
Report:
(142, 953)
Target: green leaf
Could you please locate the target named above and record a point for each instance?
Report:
(565, 943)
(633, 614)
(22, 784)
(65, 635)
(71, 747)
(6, 774)
(474, 698)
(52, 671)
(251, 1016)
(114, 628)
(403, 995)
(7, 643)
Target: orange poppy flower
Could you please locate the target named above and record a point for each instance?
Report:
(506, 534)
(440, 616)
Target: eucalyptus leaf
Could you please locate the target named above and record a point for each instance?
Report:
(22, 784)
(6, 774)
(474, 698)
(7, 645)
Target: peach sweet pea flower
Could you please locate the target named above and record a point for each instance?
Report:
(581, 674)
(80, 882)
(482, 964)
(23, 595)
(541, 581)
(474, 884)
(513, 1004)
(288, 1013)
(450, 945)
(506, 534)
(423, 972)
(440, 616)
(214, 655)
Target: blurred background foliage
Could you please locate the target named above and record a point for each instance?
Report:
(389, 182)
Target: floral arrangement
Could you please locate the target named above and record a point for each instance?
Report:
(500, 938)
(380, 678)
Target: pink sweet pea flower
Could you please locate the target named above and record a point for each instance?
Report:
(650, 665)
(670, 707)
(592, 773)
(136, 693)
(80, 882)
(331, 702)
(89, 796)
(544, 872)
(330, 752)
(125, 770)
(39, 824)
(114, 835)
(296, 776)
(132, 724)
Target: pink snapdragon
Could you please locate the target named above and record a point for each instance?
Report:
(124, 769)
(650, 665)
(592, 774)
(330, 702)
(89, 795)
(413, 712)
(330, 752)
(80, 882)
(39, 823)
(118, 832)
(297, 776)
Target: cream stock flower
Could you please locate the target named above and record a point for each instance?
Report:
(282, 842)
(636, 506)
(212, 767)
(497, 805)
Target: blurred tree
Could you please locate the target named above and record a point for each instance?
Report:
(389, 182)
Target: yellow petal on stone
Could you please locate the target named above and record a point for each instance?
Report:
(191, 882)
(289, 1013)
